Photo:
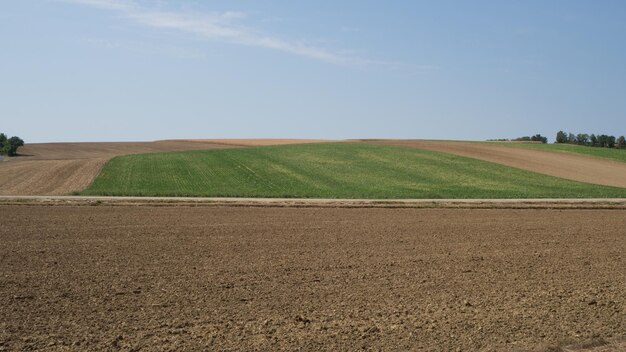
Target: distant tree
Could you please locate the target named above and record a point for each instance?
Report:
(592, 140)
(539, 138)
(582, 139)
(610, 142)
(3, 140)
(9, 146)
(605, 141)
(571, 138)
(561, 137)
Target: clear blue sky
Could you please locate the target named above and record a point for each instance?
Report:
(108, 70)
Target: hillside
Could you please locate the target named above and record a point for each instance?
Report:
(546, 160)
(607, 153)
(329, 170)
(62, 168)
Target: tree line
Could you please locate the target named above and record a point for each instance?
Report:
(8, 146)
(591, 140)
(535, 138)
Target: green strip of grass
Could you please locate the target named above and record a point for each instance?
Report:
(607, 153)
(329, 170)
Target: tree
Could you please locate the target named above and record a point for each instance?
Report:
(582, 138)
(561, 137)
(605, 141)
(539, 138)
(593, 140)
(610, 142)
(571, 138)
(9, 146)
(621, 142)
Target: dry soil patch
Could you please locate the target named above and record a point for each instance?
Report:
(252, 142)
(224, 278)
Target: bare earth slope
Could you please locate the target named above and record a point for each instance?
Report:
(575, 167)
(252, 142)
(62, 168)
(240, 278)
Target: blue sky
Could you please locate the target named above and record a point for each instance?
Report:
(109, 70)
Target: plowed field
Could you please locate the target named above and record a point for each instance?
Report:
(571, 166)
(225, 278)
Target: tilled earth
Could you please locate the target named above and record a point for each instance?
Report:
(243, 278)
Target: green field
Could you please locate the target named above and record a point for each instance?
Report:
(328, 170)
(607, 153)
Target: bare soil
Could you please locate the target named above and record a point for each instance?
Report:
(91, 150)
(239, 278)
(570, 166)
(63, 168)
(253, 142)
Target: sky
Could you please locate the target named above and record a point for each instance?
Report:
(114, 70)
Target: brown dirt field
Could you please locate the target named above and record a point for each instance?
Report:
(33, 177)
(62, 168)
(571, 166)
(237, 278)
(252, 142)
(91, 150)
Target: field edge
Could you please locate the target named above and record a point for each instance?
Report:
(520, 203)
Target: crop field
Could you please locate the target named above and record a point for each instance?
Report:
(607, 153)
(571, 166)
(261, 278)
(329, 170)
(64, 168)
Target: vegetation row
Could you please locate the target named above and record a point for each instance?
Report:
(591, 140)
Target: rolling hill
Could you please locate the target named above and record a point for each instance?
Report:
(329, 170)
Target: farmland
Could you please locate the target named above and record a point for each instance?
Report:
(607, 153)
(241, 278)
(62, 168)
(309, 274)
(571, 166)
(329, 170)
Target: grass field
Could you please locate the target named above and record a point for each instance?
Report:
(615, 154)
(328, 170)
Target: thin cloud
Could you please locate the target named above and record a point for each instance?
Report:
(222, 26)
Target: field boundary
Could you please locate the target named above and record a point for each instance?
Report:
(587, 203)
(566, 165)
